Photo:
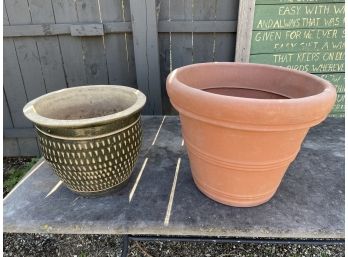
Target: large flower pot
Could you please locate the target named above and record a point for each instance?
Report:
(243, 124)
(91, 135)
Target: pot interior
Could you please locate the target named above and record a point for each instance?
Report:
(250, 81)
(245, 92)
(84, 103)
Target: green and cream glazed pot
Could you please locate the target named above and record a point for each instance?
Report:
(91, 135)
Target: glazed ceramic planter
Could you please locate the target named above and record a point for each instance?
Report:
(243, 124)
(91, 135)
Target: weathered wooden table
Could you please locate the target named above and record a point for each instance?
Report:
(161, 198)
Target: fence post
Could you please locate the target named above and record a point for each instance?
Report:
(145, 38)
(244, 30)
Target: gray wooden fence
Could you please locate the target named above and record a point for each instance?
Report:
(54, 44)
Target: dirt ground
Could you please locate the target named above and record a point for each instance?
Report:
(41, 245)
(110, 245)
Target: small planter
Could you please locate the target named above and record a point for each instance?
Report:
(243, 124)
(91, 135)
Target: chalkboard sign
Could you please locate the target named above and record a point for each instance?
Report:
(306, 35)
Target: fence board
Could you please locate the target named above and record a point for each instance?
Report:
(93, 47)
(71, 47)
(4, 15)
(29, 62)
(118, 47)
(223, 50)
(203, 43)
(10, 145)
(16, 96)
(145, 39)
(6, 112)
(226, 10)
(13, 8)
(21, 56)
(48, 47)
(13, 85)
(182, 49)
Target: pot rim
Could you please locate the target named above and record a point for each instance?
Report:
(272, 113)
(328, 86)
(30, 112)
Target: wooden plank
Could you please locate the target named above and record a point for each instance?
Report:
(26, 76)
(36, 30)
(48, 47)
(29, 62)
(118, 47)
(297, 40)
(224, 50)
(19, 132)
(244, 30)
(117, 27)
(197, 26)
(223, 41)
(203, 43)
(313, 62)
(93, 47)
(4, 15)
(7, 121)
(227, 10)
(71, 47)
(51, 63)
(87, 30)
(13, 85)
(14, 8)
(337, 79)
(297, 1)
(145, 37)
(10, 145)
(175, 48)
(295, 16)
(165, 64)
(181, 51)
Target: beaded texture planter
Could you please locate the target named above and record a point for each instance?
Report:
(91, 135)
(243, 124)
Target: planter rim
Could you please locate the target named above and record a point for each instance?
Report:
(30, 112)
(305, 111)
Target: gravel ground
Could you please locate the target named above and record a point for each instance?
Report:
(13, 162)
(41, 245)
(106, 246)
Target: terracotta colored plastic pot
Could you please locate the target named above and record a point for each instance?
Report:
(243, 124)
(91, 135)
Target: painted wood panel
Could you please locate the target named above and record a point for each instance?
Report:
(294, 16)
(304, 35)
